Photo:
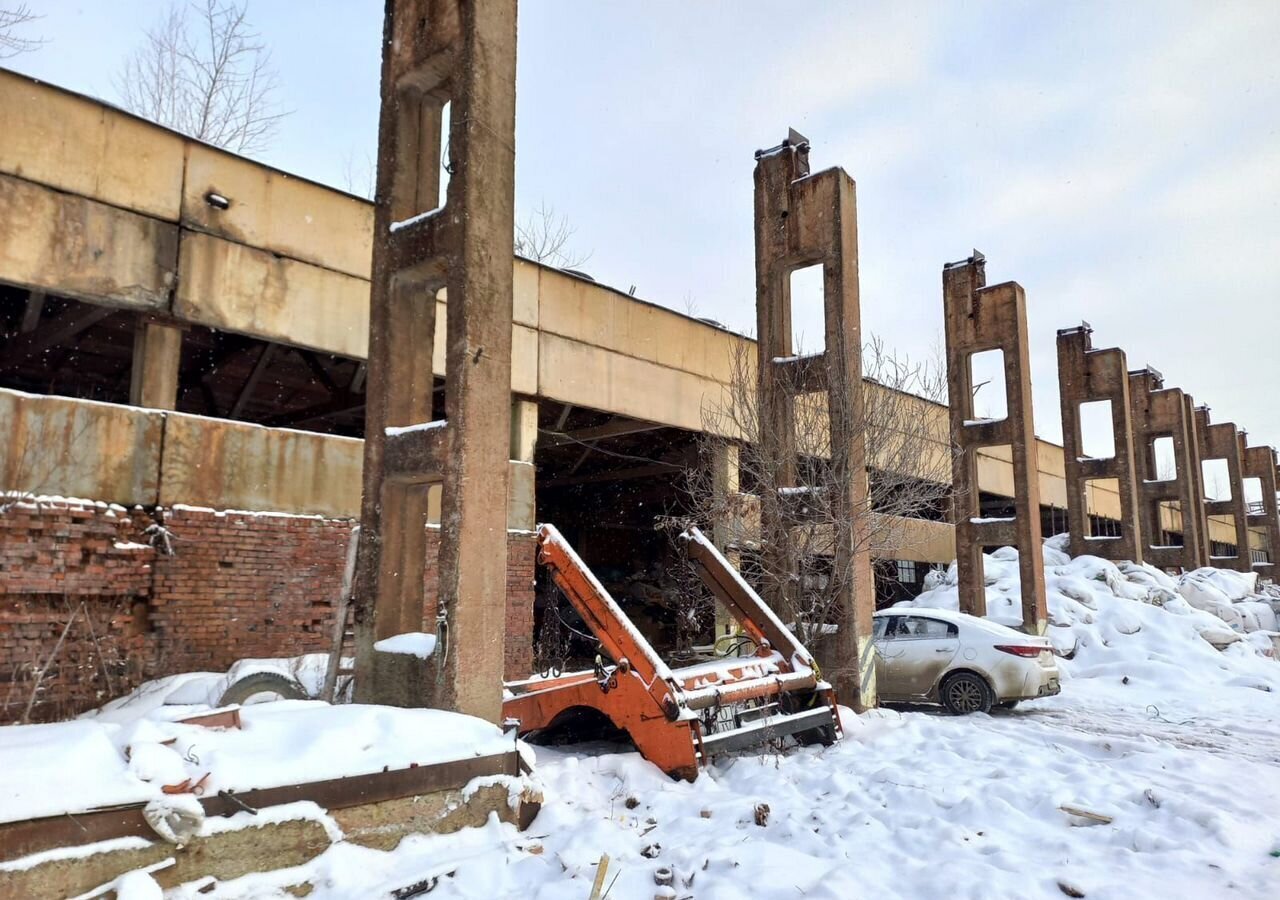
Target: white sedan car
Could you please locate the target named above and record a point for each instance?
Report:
(965, 663)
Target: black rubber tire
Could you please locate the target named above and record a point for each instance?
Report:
(964, 693)
(263, 683)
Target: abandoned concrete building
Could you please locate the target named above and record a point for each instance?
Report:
(185, 352)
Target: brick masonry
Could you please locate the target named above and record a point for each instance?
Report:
(239, 585)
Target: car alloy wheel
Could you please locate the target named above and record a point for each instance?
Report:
(965, 693)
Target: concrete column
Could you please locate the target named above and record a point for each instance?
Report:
(1159, 412)
(980, 318)
(727, 527)
(1222, 440)
(1260, 463)
(436, 53)
(1084, 375)
(157, 354)
(804, 219)
(521, 505)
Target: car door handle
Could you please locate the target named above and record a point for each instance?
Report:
(941, 649)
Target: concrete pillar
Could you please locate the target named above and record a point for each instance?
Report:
(1222, 440)
(726, 529)
(1260, 463)
(1159, 412)
(980, 318)
(157, 354)
(462, 53)
(804, 219)
(521, 504)
(1085, 375)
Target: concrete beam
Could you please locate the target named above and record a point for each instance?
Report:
(980, 318)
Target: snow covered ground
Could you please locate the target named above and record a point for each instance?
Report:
(1175, 741)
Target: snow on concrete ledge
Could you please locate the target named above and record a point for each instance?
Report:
(411, 643)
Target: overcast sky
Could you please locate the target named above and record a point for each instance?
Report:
(1120, 160)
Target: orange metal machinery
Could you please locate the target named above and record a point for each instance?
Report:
(680, 718)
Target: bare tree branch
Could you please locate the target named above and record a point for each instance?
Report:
(203, 71)
(11, 44)
(544, 237)
(909, 455)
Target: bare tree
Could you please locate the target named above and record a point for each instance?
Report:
(359, 175)
(909, 454)
(543, 236)
(11, 43)
(201, 70)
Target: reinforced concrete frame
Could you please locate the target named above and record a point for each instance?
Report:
(1223, 440)
(980, 318)
(461, 53)
(1087, 375)
(1260, 463)
(801, 220)
(1160, 412)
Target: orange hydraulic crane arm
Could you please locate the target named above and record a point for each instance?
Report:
(743, 603)
(619, 638)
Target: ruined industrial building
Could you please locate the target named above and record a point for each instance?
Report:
(251, 418)
(188, 346)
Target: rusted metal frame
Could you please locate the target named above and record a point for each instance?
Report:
(65, 326)
(318, 370)
(617, 428)
(981, 318)
(1085, 375)
(18, 839)
(250, 383)
(1221, 440)
(1167, 412)
(804, 219)
(31, 312)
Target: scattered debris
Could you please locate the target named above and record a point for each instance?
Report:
(1070, 890)
(762, 814)
(1090, 818)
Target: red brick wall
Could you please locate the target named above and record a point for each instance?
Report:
(238, 585)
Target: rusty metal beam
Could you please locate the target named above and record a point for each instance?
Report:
(250, 383)
(63, 327)
(31, 313)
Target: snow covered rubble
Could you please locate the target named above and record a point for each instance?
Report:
(1177, 742)
(129, 753)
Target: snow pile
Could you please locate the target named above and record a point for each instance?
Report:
(84, 764)
(1132, 622)
(180, 696)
